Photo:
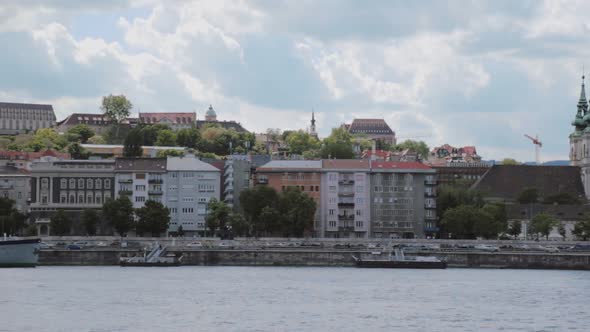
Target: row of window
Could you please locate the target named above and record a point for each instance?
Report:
(89, 198)
(302, 188)
(84, 183)
(9, 113)
(396, 224)
(382, 189)
(359, 189)
(405, 201)
(391, 212)
(333, 223)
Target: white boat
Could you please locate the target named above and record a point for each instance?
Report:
(396, 259)
(19, 252)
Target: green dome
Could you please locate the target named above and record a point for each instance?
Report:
(579, 122)
(576, 134)
(210, 111)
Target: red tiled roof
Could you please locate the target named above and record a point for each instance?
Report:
(345, 163)
(93, 119)
(176, 118)
(398, 165)
(379, 153)
(370, 126)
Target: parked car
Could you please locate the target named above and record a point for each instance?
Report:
(43, 245)
(115, 243)
(82, 244)
(226, 245)
(486, 247)
(549, 249)
(581, 247)
(101, 244)
(73, 247)
(195, 244)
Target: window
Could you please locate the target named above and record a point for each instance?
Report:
(63, 198)
(72, 183)
(140, 176)
(331, 212)
(89, 184)
(360, 189)
(89, 199)
(188, 210)
(98, 184)
(174, 175)
(333, 177)
(107, 184)
(173, 210)
(139, 199)
(19, 195)
(140, 187)
(72, 199)
(80, 183)
(173, 199)
(188, 199)
(173, 188)
(202, 200)
(80, 199)
(359, 224)
(360, 200)
(107, 195)
(332, 188)
(359, 212)
(63, 183)
(317, 188)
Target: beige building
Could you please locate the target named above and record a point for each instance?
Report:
(17, 118)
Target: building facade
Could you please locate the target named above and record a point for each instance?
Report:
(71, 185)
(236, 178)
(175, 121)
(211, 118)
(141, 179)
(99, 123)
(580, 140)
(403, 197)
(17, 118)
(375, 129)
(345, 199)
(15, 184)
(190, 185)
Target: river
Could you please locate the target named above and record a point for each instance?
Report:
(292, 299)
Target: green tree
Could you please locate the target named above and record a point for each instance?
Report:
(561, 230)
(417, 146)
(218, 217)
(542, 224)
(239, 225)
(509, 161)
(90, 220)
(468, 221)
(119, 214)
(515, 228)
(11, 220)
(77, 151)
(582, 229)
(188, 137)
(528, 196)
(449, 197)
(298, 211)
(60, 224)
(169, 153)
(499, 222)
(132, 147)
(152, 218)
(269, 222)
(97, 139)
(117, 109)
(150, 133)
(80, 133)
(338, 145)
(46, 138)
(299, 141)
(166, 138)
(254, 200)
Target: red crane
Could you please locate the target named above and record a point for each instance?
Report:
(538, 144)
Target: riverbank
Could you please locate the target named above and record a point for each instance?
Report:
(321, 257)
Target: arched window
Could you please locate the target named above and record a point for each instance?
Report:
(107, 184)
(80, 183)
(89, 199)
(72, 199)
(72, 183)
(98, 184)
(80, 199)
(63, 183)
(98, 198)
(89, 184)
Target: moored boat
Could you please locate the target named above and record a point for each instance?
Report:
(19, 252)
(156, 257)
(397, 260)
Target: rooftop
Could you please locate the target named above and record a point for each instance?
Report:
(345, 164)
(370, 126)
(27, 106)
(175, 118)
(141, 164)
(189, 163)
(399, 165)
(292, 164)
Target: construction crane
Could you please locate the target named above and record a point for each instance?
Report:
(538, 144)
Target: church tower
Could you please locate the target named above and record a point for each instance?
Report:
(312, 130)
(580, 140)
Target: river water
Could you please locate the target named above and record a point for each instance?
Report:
(292, 299)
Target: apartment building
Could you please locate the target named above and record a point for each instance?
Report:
(15, 185)
(190, 185)
(141, 179)
(236, 178)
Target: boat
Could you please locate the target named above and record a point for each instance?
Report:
(158, 256)
(19, 252)
(396, 259)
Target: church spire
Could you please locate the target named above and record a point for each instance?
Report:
(583, 103)
(312, 130)
(582, 116)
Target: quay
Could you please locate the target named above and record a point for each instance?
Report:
(314, 252)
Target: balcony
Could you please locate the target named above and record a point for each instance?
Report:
(6, 186)
(155, 192)
(346, 228)
(125, 180)
(346, 193)
(125, 193)
(430, 206)
(345, 203)
(430, 217)
(262, 181)
(345, 217)
(429, 194)
(430, 182)
(155, 181)
(346, 181)
(433, 229)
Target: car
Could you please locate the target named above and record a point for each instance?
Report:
(195, 244)
(226, 245)
(43, 245)
(101, 244)
(82, 244)
(581, 247)
(551, 249)
(486, 247)
(73, 247)
(115, 243)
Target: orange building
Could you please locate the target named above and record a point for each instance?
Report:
(304, 174)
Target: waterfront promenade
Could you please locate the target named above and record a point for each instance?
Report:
(319, 252)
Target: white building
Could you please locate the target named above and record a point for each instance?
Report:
(190, 185)
(141, 179)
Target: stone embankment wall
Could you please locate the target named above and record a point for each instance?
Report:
(322, 257)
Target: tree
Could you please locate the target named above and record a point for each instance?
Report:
(509, 161)
(117, 109)
(468, 222)
(497, 223)
(561, 230)
(542, 224)
(90, 220)
(80, 133)
(132, 147)
(11, 220)
(338, 145)
(528, 196)
(299, 141)
(77, 151)
(119, 214)
(254, 200)
(582, 229)
(166, 138)
(515, 228)
(417, 146)
(218, 217)
(449, 197)
(152, 218)
(60, 224)
(150, 133)
(269, 221)
(298, 212)
(239, 225)
(169, 153)
(188, 137)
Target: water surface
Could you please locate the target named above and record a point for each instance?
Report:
(292, 299)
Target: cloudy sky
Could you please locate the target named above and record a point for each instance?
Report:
(458, 72)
